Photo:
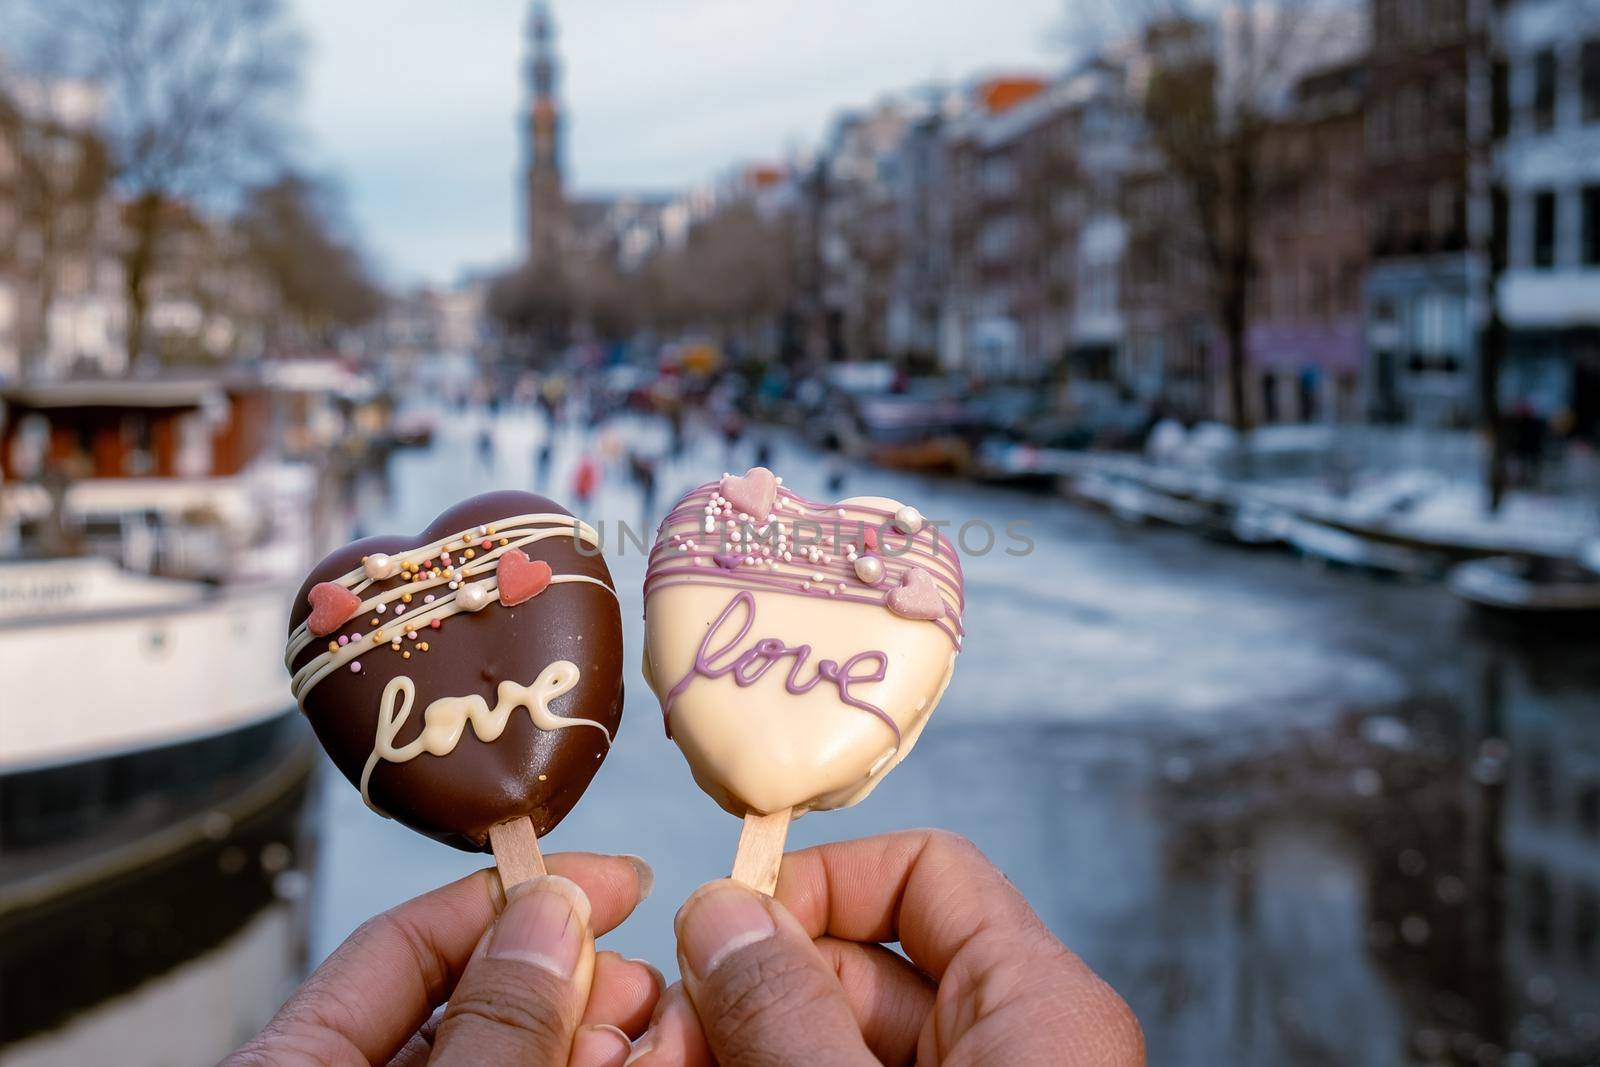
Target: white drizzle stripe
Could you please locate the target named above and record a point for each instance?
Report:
(318, 668)
(444, 721)
(302, 635)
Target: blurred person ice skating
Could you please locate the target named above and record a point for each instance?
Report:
(732, 434)
(486, 447)
(675, 426)
(585, 480)
(546, 454)
(642, 470)
(836, 466)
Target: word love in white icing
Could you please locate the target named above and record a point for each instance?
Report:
(445, 720)
(748, 665)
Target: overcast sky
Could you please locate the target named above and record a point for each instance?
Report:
(414, 104)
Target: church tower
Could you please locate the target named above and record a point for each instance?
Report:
(546, 203)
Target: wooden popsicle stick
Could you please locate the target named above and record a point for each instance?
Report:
(516, 851)
(761, 850)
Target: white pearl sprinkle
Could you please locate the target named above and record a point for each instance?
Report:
(869, 569)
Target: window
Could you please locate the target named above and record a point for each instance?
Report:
(1378, 128)
(1500, 227)
(1443, 210)
(1500, 105)
(1544, 229)
(1408, 118)
(1544, 90)
(1591, 226)
(1590, 64)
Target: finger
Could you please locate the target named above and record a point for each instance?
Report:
(889, 998)
(675, 1038)
(372, 994)
(520, 1002)
(615, 885)
(600, 1046)
(965, 925)
(763, 992)
(927, 889)
(624, 995)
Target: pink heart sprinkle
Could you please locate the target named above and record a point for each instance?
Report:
(917, 596)
(753, 493)
(331, 607)
(521, 578)
(869, 537)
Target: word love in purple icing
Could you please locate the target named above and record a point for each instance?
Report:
(749, 665)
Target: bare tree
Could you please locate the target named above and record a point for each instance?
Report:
(1216, 88)
(291, 235)
(1209, 81)
(193, 93)
(53, 175)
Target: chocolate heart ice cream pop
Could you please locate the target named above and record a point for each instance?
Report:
(468, 680)
(797, 648)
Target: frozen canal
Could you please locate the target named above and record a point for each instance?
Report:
(1293, 815)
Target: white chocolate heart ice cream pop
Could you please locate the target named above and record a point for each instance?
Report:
(797, 648)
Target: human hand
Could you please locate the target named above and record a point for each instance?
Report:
(805, 978)
(523, 979)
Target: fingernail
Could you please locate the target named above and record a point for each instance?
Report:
(646, 873)
(600, 1044)
(720, 920)
(543, 924)
(642, 1047)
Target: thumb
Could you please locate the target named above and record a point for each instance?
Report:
(522, 995)
(763, 992)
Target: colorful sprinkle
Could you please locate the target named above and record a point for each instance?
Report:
(355, 666)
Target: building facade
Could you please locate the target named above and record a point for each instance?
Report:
(1423, 285)
(1305, 349)
(1548, 166)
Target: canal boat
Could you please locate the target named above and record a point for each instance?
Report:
(1529, 585)
(150, 543)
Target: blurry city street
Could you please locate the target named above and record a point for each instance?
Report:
(1248, 354)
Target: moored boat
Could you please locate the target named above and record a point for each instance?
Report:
(149, 543)
(1529, 585)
